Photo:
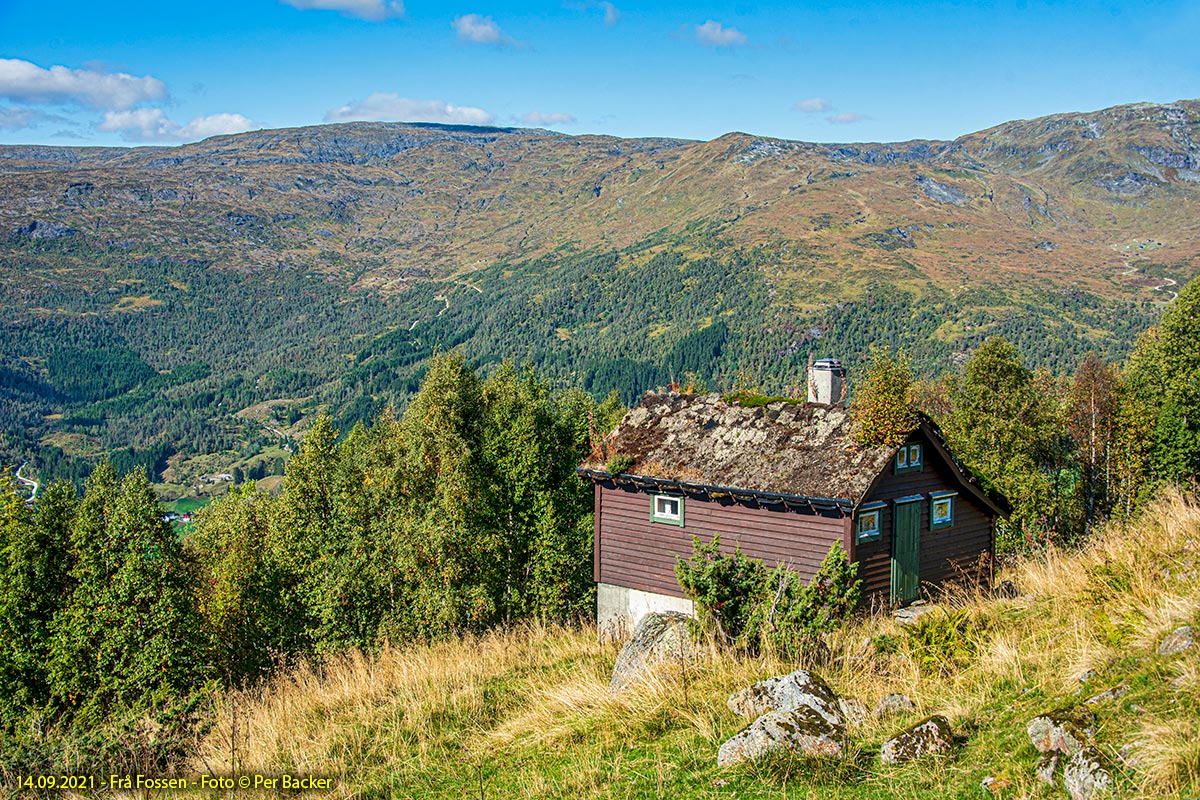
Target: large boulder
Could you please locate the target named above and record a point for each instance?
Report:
(1063, 730)
(930, 735)
(801, 730)
(659, 637)
(787, 693)
(1085, 776)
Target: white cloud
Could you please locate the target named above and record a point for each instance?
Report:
(813, 105)
(24, 82)
(15, 118)
(153, 125)
(715, 34)
(846, 118)
(373, 10)
(478, 29)
(393, 107)
(543, 119)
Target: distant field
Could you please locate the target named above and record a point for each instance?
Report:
(186, 505)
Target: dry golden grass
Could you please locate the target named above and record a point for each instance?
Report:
(538, 696)
(319, 717)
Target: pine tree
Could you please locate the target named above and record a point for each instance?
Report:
(130, 638)
(1160, 419)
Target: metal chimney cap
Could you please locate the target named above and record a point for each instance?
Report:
(828, 363)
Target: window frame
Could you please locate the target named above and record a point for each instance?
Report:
(904, 460)
(939, 497)
(667, 519)
(869, 510)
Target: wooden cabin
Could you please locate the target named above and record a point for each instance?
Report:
(783, 482)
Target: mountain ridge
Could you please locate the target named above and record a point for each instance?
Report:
(320, 266)
(480, 184)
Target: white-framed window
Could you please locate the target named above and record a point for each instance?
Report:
(941, 510)
(666, 508)
(908, 458)
(868, 524)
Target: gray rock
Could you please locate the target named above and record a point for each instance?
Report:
(909, 615)
(1177, 641)
(1131, 754)
(893, 704)
(1047, 767)
(45, 230)
(801, 730)
(658, 637)
(941, 192)
(786, 693)
(854, 711)
(1007, 590)
(1064, 730)
(1125, 183)
(931, 735)
(1085, 775)
(1115, 693)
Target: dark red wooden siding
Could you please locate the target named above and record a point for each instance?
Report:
(632, 551)
(948, 554)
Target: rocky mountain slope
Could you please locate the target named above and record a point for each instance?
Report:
(151, 293)
(1062, 200)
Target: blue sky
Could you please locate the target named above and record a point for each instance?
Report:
(162, 72)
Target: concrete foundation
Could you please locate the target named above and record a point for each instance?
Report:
(618, 609)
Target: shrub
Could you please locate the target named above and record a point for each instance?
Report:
(794, 618)
(943, 641)
(725, 588)
(618, 463)
(745, 604)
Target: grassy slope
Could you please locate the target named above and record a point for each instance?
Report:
(527, 713)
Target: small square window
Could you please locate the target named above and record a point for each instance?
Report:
(941, 510)
(666, 508)
(908, 458)
(866, 526)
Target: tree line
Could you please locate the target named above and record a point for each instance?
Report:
(463, 513)
(1067, 451)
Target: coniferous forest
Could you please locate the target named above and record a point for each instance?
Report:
(464, 513)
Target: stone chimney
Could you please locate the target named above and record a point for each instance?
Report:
(826, 381)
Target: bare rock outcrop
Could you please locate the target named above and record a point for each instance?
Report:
(658, 637)
(796, 712)
(787, 693)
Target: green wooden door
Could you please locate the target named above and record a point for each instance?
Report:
(906, 550)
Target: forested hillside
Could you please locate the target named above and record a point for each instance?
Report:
(123, 643)
(214, 298)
